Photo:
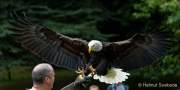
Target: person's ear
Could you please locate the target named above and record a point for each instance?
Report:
(46, 80)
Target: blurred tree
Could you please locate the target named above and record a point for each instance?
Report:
(97, 19)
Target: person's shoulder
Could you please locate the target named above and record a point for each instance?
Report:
(28, 89)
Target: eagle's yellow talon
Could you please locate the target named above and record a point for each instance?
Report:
(81, 73)
(92, 70)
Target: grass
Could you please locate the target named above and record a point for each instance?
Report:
(21, 78)
(18, 73)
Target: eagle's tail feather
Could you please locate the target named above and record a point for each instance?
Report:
(114, 75)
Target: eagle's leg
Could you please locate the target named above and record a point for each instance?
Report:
(92, 70)
(81, 73)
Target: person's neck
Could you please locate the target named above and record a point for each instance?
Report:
(40, 87)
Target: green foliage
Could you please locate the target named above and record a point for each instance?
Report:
(168, 67)
(85, 30)
(177, 34)
(165, 70)
(79, 19)
(3, 32)
(167, 10)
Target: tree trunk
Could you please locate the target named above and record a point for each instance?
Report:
(8, 72)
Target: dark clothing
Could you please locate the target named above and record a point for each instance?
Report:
(77, 85)
(71, 86)
(117, 87)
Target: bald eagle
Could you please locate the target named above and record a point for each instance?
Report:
(105, 59)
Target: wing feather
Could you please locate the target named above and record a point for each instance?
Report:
(54, 48)
(138, 51)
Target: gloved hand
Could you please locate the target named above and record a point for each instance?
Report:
(74, 85)
(84, 82)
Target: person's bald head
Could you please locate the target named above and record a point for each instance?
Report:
(41, 71)
(94, 87)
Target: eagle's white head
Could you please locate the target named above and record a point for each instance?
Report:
(95, 45)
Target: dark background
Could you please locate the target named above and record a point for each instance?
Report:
(106, 20)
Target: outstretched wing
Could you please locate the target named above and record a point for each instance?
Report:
(138, 51)
(54, 48)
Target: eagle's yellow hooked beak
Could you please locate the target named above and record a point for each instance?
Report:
(90, 50)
